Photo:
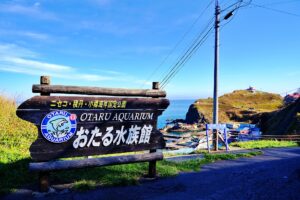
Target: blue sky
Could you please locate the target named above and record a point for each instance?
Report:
(119, 43)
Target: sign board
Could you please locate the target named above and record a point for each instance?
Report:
(216, 126)
(71, 126)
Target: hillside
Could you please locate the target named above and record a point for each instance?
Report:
(14, 132)
(283, 121)
(16, 136)
(238, 106)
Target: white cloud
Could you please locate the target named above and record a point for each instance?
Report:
(12, 50)
(27, 34)
(109, 27)
(22, 35)
(34, 64)
(37, 4)
(64, 75)
(107, 72)
(143, 83)
(92, 77)
(14, 58)
(34, 35)
(32, 11)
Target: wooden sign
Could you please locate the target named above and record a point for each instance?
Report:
(71, 126)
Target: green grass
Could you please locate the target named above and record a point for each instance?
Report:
(118, 175)
(259, 144)
(229, 156)
(130, 174)
(15, 175)
(16, 136)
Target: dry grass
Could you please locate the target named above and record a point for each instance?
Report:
(16, 136)
(240, 104)
(14, 132)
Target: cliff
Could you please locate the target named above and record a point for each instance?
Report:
(238, 106)
(282, 121)
(194, 116)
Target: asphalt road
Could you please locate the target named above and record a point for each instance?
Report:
(273, 175)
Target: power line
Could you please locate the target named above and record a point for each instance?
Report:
(289, 91)
(276, 10)
(185, 52)
(234, 4)
(178, 43)
(237, 10)
(183, 62)
(238, 4)
(185, 58)
(194, 47)
(280, 2)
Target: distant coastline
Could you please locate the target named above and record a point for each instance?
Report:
(176, 110)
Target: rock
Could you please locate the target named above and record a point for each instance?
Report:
(193, 116)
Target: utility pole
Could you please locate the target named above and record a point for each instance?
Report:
(216, 65)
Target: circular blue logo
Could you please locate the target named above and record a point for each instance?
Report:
(58, 126)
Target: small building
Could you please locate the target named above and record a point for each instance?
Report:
(251, 89)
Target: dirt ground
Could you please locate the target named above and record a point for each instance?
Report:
(273, 175)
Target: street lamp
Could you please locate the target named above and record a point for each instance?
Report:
(228, 15)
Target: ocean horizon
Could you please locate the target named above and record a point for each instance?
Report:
(176, 110)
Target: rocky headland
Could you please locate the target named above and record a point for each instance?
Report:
(264, 109)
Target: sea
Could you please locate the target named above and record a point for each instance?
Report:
(176, 110)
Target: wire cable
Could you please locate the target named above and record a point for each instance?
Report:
(237, 10)
(195, 46)
(178, 43)
(183, 63)
(289, 91)
(280, 2)
(185, 52)
(232, 5)
(276, 10)
(187, 57)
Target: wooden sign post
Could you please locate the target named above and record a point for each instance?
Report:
(74, 126)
